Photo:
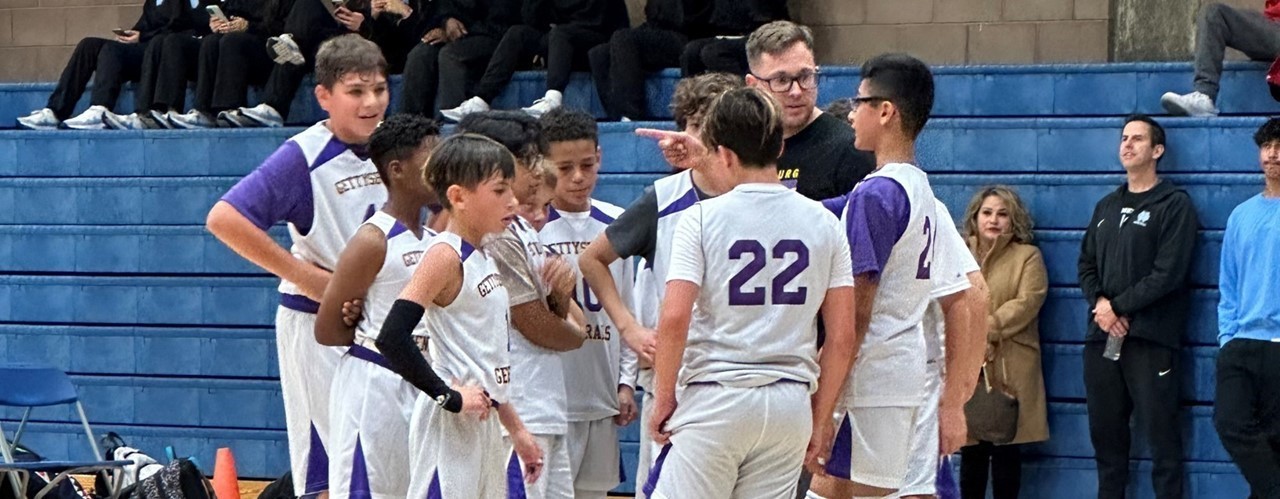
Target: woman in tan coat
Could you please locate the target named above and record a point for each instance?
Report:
(998, 229)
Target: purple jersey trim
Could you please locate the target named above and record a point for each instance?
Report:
(552, 215)
(877, 216)
(515, 478)
(688, 199)
(299, 303)
(331, 150)
(359, 473)
(467, 250)
(396, 229)
(277, 191)
(368, 355)
(317, 465)
(655, 473)
(601, 216)
(836, 204)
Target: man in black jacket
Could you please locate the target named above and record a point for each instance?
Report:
(1133, 270)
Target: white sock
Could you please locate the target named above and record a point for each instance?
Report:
(554, 96)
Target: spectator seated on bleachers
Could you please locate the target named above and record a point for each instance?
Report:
(1254, 32)
(453, 55)
(723, 48)
(561, 32)
(619, 67)
(232, 57)
(397, 26)
(111, 63)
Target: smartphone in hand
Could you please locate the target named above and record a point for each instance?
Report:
(216, 13)
(122, 32)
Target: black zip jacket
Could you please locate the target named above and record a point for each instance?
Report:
(489, 18)
(1140, 262)
(741, 17)
(691, 17)
(604, 16)
(173, 16)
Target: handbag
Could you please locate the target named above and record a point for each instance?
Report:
(992, 412)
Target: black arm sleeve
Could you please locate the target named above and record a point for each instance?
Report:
(396, 343)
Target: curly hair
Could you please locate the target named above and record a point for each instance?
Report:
(694, 95)
(398, 137)
(1019, 219)
(516, 130)
(565, 125)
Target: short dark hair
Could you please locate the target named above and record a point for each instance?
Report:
(397, 138)
(694, 94)
(466, 160)
(564, 125)
(748, 122)
(907, 83)
(1269, 131)
(776, 37)
(515, 130)
(840, 108)
(345, 54)
(1157, 131)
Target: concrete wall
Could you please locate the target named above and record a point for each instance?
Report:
(36, 36)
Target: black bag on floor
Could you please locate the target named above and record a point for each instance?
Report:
(282, 488)
(67, 489)
(179, 479)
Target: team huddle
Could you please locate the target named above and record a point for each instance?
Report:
(460, 318)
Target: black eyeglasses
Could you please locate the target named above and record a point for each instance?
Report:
(858, 101)
(808, 80)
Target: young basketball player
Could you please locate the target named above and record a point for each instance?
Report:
(545, 319)
(458, 288)
(321, 183)
(370, 406)
(536, 209)
(749, 346)
(650, 219)
(600, 376)
(891, 225)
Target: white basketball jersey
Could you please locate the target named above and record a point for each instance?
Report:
(592, 372)
(889, 370)
(469, 338)
(404, 251)
(345, 191)
(675, 194)
(764, 257)
(537, 385)
(952, 263)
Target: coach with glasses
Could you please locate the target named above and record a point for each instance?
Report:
(818, 159)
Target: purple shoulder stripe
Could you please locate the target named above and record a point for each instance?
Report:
(467, 250)
(552, 214)
(689, 198)
(331, 150)
(600, 215)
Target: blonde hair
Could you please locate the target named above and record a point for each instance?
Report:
(1020, 223)
(548, 173)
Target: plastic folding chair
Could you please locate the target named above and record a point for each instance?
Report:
(31, 385)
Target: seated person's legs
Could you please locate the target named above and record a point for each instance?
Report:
(1218, 27)
(421, 77)
(635, 53)
(462, 63)
(74, 79)
(567, 47)
(691, 58)
(515, 51)
(117, 64)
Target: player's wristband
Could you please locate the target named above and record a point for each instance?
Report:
(396, 343)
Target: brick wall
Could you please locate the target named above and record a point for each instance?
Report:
(37, 36)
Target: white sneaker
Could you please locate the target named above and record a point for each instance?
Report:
(283, 50)
(90, 119)
(161, 120)
(129, 121)
(548, 102)
(1195, 104)
(262, 115)
(193, 119)
(472, 105)
(40, 119)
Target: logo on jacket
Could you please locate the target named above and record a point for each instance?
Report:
(1142, 218)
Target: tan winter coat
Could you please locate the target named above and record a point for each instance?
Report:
(1016, 275)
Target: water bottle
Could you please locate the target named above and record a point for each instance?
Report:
(1112, 351)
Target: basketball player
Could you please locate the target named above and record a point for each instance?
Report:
(321, 183)
(749, 347)
(370, 406)
(458, 288)
(650, 219)
(891, 224)
(600, 376)
(543, 313)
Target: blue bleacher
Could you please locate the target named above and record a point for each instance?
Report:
(108, 273)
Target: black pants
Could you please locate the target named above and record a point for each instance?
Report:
(167, 65)
(1247, 411)
(229, 64)
(310, 24)
(565, 48)
(1005, 464)
(444, 72)
(108, 62)
(620, 66)
(1144, 384)
(714, 55)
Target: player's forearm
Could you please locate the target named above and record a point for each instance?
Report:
(255, 245)
(839, 349)
(330, 329)
(673, 336)
(594, 265)
(509, 419)
(542, 328)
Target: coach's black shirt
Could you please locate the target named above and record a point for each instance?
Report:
(820, 161)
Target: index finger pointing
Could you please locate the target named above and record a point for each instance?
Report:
(654, 133)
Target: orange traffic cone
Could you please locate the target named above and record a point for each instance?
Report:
(225, 483)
